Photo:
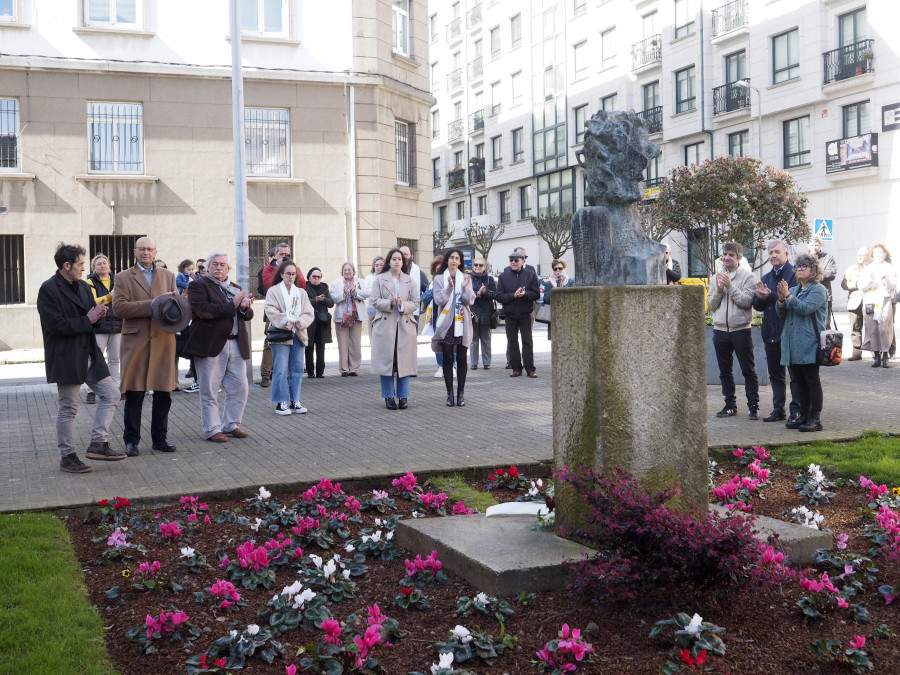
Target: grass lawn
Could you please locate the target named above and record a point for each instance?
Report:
(46, 622)
(458, 489)
(874, 456)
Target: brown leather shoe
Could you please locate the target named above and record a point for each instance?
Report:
(532, 373)
(218, 437)
(855, 358)
(237, 432)
(515, 373)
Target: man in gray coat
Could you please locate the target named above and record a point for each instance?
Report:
(71, 357)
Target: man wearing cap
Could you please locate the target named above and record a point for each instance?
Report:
(517, 290)
(220, 344)
(71, 357)
(148, 350)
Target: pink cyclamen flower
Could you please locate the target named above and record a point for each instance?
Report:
(169, 530)
(841, 542)
(460, 509)
(333, 630)
(858, 642)
(290, 670)
(206, 520)
(843, 604)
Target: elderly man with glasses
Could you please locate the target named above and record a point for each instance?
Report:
(220, 344)
(485, 289)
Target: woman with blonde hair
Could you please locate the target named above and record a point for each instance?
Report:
(557, 279)
(108, 330)
(348, 295)
(878, 283)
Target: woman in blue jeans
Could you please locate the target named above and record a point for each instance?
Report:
(289, 310)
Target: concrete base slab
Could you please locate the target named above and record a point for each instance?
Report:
(501, 556)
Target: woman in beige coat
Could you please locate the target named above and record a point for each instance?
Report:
(453, 298)
(393, 336)
(349, 310)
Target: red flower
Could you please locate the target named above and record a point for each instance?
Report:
(700, 658)
(203, 662)
(548, 501)
(490, 476)
(121, 503)
(103, 502)
(406, 591)
(220, 663)
(686, 657)
(500, 472)
(513, 471)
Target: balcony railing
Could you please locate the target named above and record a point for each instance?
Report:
(654, 182)
(646, 51)
(473, 18)
(849, 61)
(455, 130)
(456, 179)
(476, 121)
(476, 68)
(476, 170)
(454, 29)
(730, 97)
(729, 17)
(653, 119)
(454, 79)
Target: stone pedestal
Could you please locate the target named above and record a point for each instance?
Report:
(629, 388)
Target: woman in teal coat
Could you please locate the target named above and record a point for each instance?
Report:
(804, 309)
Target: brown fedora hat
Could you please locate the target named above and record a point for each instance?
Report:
(171, 312)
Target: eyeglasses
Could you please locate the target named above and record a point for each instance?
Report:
(289, 274)
(315, 276)
(144, 249)
(477, 265)
(801, 267)
(557, 269)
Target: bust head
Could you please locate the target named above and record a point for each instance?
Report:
(616, 152)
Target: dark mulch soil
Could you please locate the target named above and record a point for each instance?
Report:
(765, 632)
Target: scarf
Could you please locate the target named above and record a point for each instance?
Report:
(291, 303)
(230, 290)
(350, 315)
(454, 305)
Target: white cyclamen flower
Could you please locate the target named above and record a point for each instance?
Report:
(694, 626)
(346, 574)
(389, 536)
(445, 661)
(482, 598)
(293, 589)
(376, 535)
(263, 493)
(187, 552)
(378, 522)
(317, 560)
(349, 548)
(462, 634)
(253, 629)
(255, 526)
(330, 568)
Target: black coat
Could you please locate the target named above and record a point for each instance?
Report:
(484, 304)
(772, 324)
(109, 323)
(69, 342)
(319, 332)
(507, 285)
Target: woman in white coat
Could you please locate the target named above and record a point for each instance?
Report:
(349, 310)
(453, 298)
(288, 309)
(393, 334)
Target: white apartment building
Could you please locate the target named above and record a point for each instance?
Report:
(116, 122)
(811, 86)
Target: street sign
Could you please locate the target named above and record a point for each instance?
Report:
(824, 229)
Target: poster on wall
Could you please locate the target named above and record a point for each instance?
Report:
(890, 117)
(856, 152)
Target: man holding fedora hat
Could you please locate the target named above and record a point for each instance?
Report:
(220, 344)
(152, 311)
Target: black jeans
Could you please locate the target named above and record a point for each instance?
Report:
(159, 417)
(856, 329)
(448, 352)
(315, 346)
(738, 343)
(778, 379)
(809, 387)
(515, 326)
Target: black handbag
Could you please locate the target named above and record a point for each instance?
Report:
(323, 317)
(870, 308)
(279, 334)
(495, 317)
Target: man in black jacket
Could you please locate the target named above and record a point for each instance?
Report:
(764, 301)
(517, 290)
(71, 357)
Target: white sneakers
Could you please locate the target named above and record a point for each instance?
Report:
(297, 409)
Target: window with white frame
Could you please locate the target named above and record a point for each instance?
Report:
(435, 172)
(496, 152)
(580, 60)
(515, 31)
(608, 102)
(481, 204)
(786, 56)
(9, 136)
(115, 137)
(268, 18)
(8, 11)
(578, 6)
(515, 83)
(796, 142)
(580, 120)
(739, 143)
(495, 98)
(435, 123)
(401, 27)
(267, 134)
(518, 145)
(684, 18)
(503, 199)
(524, 202)
(856, 120)
(608, 48)
(405, 152)
(460, 210)
(685, 94)
(110, 13)
(495, 42)
(693, 153)
(433, 26)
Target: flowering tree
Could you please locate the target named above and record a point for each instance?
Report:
(556, 230)
(731, 199)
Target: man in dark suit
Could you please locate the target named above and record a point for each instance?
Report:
(71, 357)
(220, 344)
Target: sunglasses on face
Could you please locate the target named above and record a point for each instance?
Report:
(557, 269)
(801, 267)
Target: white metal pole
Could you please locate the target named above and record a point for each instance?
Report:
(759, 121)
(242, 251)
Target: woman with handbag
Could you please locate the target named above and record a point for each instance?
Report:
(108, 330)
(290, 314)
(878, 284)
(348, 295)
(453, 298)
(484, 287)
(394, 328)
(804, 309)
(558, 279)
(319, 331)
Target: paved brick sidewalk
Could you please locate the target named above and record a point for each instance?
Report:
(348, 434)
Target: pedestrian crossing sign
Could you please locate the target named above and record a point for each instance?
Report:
(825, 229)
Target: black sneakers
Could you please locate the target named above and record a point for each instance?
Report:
(754, 413)
(727, 411)
(71, 464)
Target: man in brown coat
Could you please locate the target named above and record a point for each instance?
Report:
(147, 352)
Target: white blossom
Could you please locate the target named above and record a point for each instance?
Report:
(255, 526)
(482, 598)
(187, 552)
(330, 568)
(293, 589)
(317, 560)
(389, 536)
(263, 493)
(378, 522)
(346, 574)
(462, 634)
(349, 548)
(445, 661)
(253, 629)
(694, 626)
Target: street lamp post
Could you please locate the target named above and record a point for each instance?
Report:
(745, 84)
